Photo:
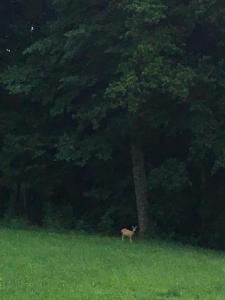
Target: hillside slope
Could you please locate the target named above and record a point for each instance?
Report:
(44, 265)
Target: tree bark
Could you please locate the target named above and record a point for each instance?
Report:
(140, 185)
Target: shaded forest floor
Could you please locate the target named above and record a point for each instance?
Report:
(45, 265)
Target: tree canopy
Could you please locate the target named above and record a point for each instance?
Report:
(113, 113)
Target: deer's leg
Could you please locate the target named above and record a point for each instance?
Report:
(130, 239)
(122, 237)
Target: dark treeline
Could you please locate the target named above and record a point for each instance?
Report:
(112, 113)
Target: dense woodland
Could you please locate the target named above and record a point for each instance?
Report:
(112, 113)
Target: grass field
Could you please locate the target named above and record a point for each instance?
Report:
(44, 265)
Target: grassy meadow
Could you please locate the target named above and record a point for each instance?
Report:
(45, 265)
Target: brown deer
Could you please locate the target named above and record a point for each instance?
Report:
(128, 233)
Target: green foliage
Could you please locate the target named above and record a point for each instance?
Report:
(171, 177)
(58, 218)
(80, 151)
(91, 76)
(15, 223)
(106, 223)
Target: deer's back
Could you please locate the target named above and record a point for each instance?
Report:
(126, 231)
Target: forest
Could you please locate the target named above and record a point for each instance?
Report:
(112, 114)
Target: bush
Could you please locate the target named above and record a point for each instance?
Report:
(14, 223)
(59, 218)
(106, 223)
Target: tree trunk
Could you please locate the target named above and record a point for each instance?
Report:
(140, 185)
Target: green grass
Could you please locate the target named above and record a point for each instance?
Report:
(44, 265)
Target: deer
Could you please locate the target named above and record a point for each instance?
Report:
(128, 233)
